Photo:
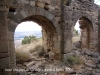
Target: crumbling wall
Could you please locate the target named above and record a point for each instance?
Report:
(72, 13)
(57, 18)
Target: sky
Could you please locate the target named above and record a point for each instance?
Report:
(28, 26)
(32, 26)
(97, 2)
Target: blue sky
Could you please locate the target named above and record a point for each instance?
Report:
(32, 26)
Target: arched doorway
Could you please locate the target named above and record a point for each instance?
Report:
(49, 34)
(87, 33)
(76, 35)
(26, 29)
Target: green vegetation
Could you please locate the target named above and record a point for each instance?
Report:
(76, 32)
(73, 60)
(24, 52)
(29, 39)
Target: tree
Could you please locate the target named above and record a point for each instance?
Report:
(76, 32)
(28, 39)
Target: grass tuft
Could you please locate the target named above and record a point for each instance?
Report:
(22, 56)
(23, 52)
(73, 60)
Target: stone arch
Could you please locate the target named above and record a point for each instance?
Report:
(42, 17)
(32, 10)
(89, 17)
(87, 32)
(25, 12)
(48, 30)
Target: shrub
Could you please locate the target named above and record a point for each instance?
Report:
(23, 52)
(22, 56)
(28, 39)
(73, 60)
(76, 32)
(37, 47)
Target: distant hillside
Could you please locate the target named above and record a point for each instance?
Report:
(20, 35)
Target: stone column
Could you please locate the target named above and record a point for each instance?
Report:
(68, 34)
(11, 51)
(4, 51)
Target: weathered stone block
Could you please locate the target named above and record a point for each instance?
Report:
(11, 36)
(32, 3)
(68, 46)
(40, 11)
(25, 1)
(29, 10)
(12, 26)
(4, 63)
(3, 46)
(2, 3)
(57, 8)
(3, 8)
(12, 58)
(4, 55)
(47, 2)
(23, 13)
(50, 16)
(40, 4)
(18, 17)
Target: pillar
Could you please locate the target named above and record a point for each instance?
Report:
(4, 51)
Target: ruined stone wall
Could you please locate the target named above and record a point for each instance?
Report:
(4, 48)
(72, 13)
(48, 17)
(99, 30)
(77, 10)
(57, 18)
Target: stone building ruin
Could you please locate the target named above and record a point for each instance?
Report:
(57, 18)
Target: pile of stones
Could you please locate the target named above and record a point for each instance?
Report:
(41, 66)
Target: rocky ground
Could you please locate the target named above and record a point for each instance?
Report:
(90, 65)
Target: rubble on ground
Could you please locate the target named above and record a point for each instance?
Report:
(42, 66)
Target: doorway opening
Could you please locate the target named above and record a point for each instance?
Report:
(86, 34)
(28, 28)
(76, 35)
(28, 40)
(48, 36)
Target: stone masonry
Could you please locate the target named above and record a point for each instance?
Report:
(57, 18)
